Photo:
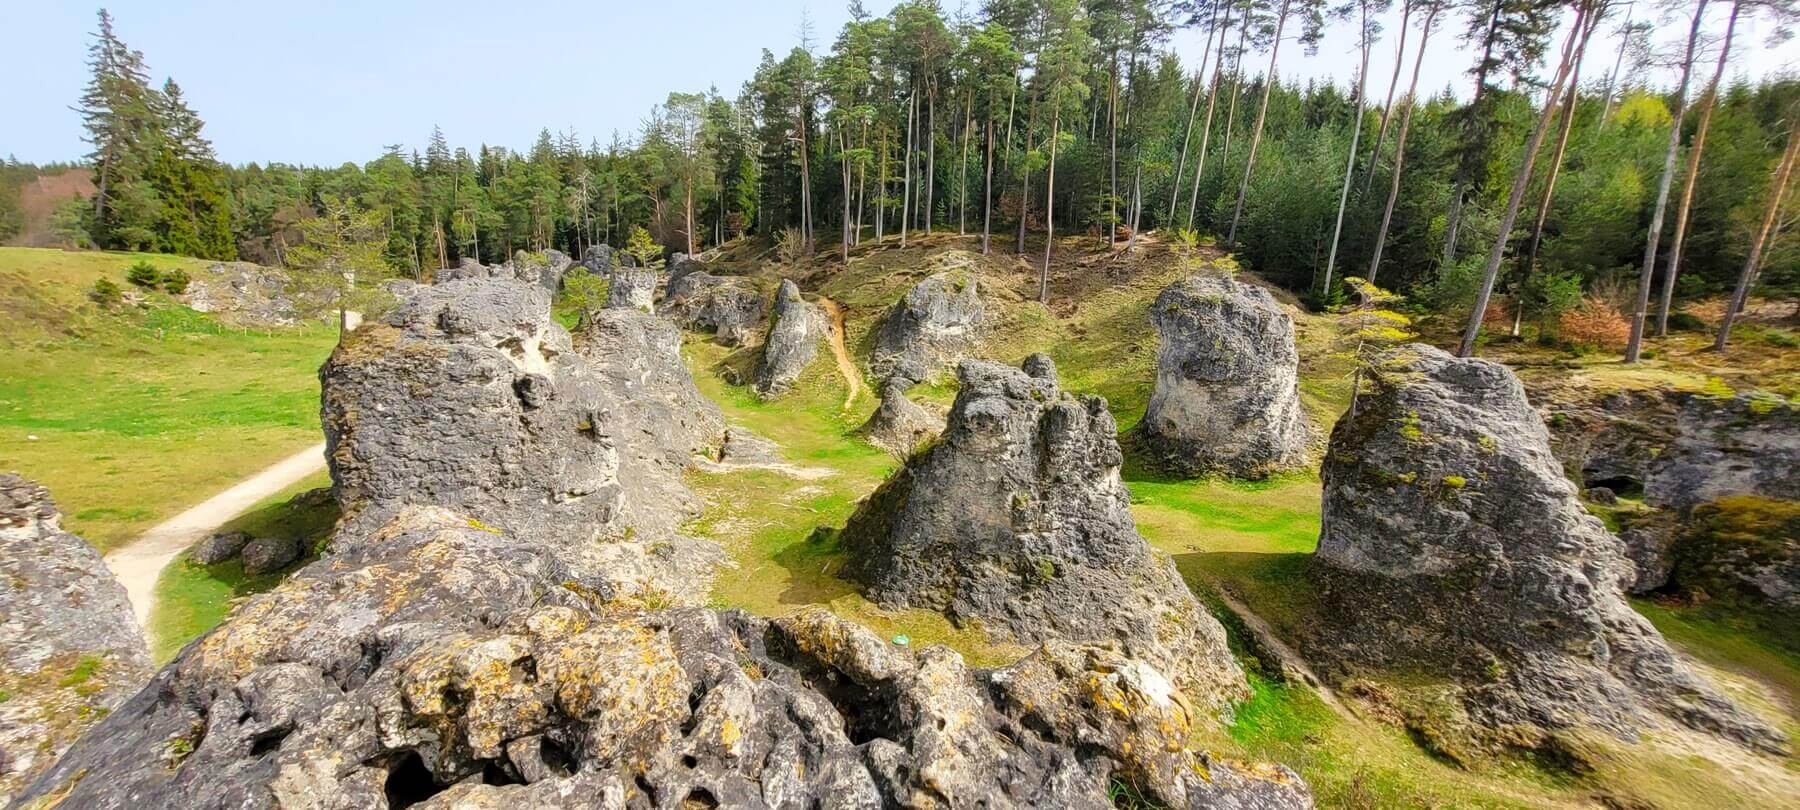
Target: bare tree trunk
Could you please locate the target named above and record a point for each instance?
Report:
(1459, 187)
(1237, 88)
(1635, 346)
(962, 168)
(1049, 210)
(1356, 114)
(1543, 211)
(1262, 114)
(1618, 61)
(930, 208)
(1025, 179)
(1112, 128)
(1748, 277)
(844, 140)
(1187, 131)
(1212, 96)
(1522, 179)
(987, 187)
(912, 106)
(1137, 205)
(1693, 175)
(1387, 108)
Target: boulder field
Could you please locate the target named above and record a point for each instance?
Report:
(467, 640)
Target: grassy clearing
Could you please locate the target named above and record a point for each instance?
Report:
(192, 598)
(139, 413)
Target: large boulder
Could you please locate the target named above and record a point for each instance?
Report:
(934, 326)
(469, 396)
(633, 288)
(796, 327)
(1227, 397)
(600, 260)
(70, 648)
(898, 424)
(544, 268)
(1016, 520)
(1452, 543)
(728, 306)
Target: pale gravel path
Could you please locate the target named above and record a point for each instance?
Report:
(138, 565)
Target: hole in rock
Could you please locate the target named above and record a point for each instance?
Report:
(265, 742)
(495, 773)
(1622, 485)
(409, 782)
(688, 761)
(699, 799)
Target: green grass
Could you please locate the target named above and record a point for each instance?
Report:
(192, 598)
(139, 413)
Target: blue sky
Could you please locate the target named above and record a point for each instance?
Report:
(329, 81)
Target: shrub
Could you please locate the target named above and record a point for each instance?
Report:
(1594, 325)
(143, 274)
(175, 282)
(106, 293)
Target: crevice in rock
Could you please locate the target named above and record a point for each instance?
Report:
(409, 782)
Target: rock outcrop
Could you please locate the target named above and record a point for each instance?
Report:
(1452, 543)
(600, 260)
(934, 326)
(1700, 462)
(477, 656)
(795, 329)
(728, 306)
(1016, 520)
(633, 288)
(241, 293)
(898, 424)
(70, 648)
(544, 269)
(1227, 397)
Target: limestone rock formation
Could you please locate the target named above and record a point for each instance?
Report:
(727, 306)
(1017, 520)
(266, 555)
(796, 327)
(1698, 461)
(70, 648)
(898, 424)
(241, 293)
(633, 288)
(492, 655)
(933, 327)
(1227, 399)
(600, 260)
(1452, 543)
(544, 269)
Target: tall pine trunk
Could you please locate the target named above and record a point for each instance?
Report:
(1356, 114)
(1778, 188)
(1529, 263)
(912, 106)
(1522, 179)
(1618, 61)
(930, 155)
(1635, 346)
(1262, 115)
(1387, 212)
(1049, 210)
(987, 188)
(962, 168)
(1693, 175)
(1387, 107)
(1212, 96)
(1460, 182)
(1187, 130)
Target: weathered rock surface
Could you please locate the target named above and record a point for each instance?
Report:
(1685, 453)
(241, 293)
(1017, 520)
(1452, 543)
(898, 424)
(70, 648)
(600, 260)
(727, 306)
(1227, 396)
(544, 269)
(266, 555)
(491, 658)
(934, 326)
(795, 330)
(219, 547)
(633, 288)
